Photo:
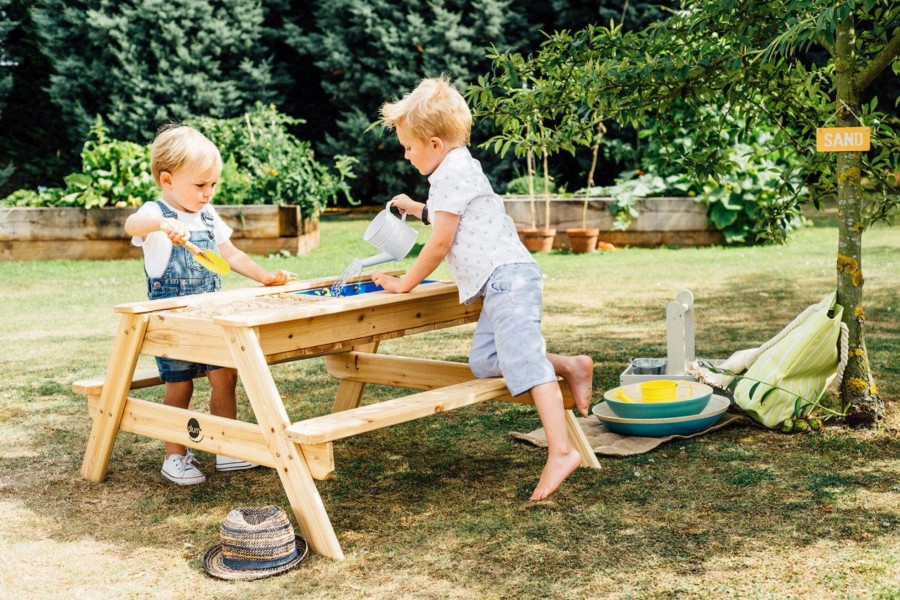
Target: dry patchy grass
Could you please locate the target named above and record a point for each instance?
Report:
(439, 508)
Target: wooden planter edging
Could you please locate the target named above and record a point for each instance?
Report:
(662, 221)
(98, 233)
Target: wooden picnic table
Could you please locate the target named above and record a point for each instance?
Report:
(231, 329)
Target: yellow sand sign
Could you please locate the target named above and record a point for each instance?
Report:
(842, 139)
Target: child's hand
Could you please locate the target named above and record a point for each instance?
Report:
(403, 203)
(175, 229)
(388, 282)
(280, 277)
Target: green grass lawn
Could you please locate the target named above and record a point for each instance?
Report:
(438, 508)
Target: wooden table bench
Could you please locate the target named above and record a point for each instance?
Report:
(346, 331)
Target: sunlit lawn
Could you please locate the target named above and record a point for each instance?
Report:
(438, 508)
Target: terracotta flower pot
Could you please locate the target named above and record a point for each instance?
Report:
(583, 240)
(538, 240)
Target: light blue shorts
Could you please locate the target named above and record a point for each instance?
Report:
(508, 338)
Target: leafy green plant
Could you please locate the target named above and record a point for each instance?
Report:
(753, 198)
(266, 164)
(113, 173)
(235, 185)
(520, 186)
(525, 102)
(595, 154)
(803, 407)
(33, 198)
(262, 164)
(632, 186)
(754, 195)
(748, 204)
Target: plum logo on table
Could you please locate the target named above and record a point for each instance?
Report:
(193, 429)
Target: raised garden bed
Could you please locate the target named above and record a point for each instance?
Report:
(662, 221)
(98, 233)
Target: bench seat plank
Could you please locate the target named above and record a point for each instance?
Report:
(141, 379)
(415, 373)
(367, 418)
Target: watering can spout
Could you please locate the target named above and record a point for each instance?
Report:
(376, 260)
(390, 235)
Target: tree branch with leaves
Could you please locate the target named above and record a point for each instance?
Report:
(756, 57)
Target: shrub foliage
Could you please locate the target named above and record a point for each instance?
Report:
(263, 164)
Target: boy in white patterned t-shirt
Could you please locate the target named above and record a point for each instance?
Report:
(479, 240)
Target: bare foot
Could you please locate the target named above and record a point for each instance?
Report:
(578, 371)
(557, 468)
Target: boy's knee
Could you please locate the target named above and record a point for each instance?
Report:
(222, 377)
(484, 367)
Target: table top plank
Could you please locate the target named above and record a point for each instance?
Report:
(145, 306)
(329, 306)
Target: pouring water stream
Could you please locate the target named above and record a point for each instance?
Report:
(387, 233)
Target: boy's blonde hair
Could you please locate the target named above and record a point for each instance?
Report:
(179, 147)
(434, 109)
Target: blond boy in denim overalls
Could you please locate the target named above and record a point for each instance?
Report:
(186, 166)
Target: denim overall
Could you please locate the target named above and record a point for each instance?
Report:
(184, 276)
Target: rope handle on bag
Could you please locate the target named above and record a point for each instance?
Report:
(788, 328)
(845, 354)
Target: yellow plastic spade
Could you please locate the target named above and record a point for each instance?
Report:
(208, 259)
(205, 258)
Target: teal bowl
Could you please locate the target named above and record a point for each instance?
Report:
(663, 427)
(626, 401)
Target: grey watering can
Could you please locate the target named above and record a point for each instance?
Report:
(390, 235)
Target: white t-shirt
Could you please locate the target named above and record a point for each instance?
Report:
(486, 237)
(157, 246)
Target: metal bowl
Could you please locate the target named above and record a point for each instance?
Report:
(648, 366)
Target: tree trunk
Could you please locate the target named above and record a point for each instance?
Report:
(529, 162)
(546, 192)
(858, 390)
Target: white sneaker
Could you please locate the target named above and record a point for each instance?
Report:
(182, 470)
(226, 463)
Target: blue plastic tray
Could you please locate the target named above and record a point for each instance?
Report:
(692, 399)
(663, 427)
(351, 289)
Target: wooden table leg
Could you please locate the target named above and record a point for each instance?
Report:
(117, 382)
(268, 407)
(350, 392)
(580, 441)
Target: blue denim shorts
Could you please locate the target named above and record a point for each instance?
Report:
(174, 371)
(508, 338)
